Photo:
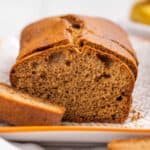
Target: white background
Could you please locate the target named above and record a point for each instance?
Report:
(14, 14)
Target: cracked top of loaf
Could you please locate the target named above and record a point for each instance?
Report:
(77, 31)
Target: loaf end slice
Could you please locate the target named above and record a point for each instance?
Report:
(130, 144)
(21, 109)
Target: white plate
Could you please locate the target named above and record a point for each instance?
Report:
(77, 135)
(137, 124)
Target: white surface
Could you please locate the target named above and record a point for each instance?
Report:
(4, 145)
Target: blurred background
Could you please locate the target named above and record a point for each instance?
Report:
(15, 14)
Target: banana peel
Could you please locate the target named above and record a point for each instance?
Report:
(141, 12)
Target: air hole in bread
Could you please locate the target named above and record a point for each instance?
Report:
(105, 60)
(34, 65)
(76, 25)
(67, 91)
(81, 44)
(69, 30)
(102, 107)
(43, 75)
(33, 72)
(108, 105)
(124, 93)
(65, 81)
(49, 96)
(56, 57)
(104, 75)
(97, 78)
(24, 89)
(89, 54)
(87, 75)
(113, 116)
(13, 71)
(68, 62)
(119, 98)
(72, 51)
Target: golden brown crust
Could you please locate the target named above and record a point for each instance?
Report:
(141, 143)
(104, 34)
(19, 112)
(55, 31)
(103, 28)
(111, 48)
(42, 34)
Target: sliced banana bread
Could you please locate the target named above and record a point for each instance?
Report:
(85, 64)
(130, 144)
(21, 109)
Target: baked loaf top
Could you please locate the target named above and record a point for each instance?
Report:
(79, 31)
(21, 109)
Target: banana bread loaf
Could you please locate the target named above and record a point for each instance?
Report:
(21, 109)
(83, 63)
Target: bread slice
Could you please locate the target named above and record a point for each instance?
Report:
(21, 109)
(130, 144)
(74, 62)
